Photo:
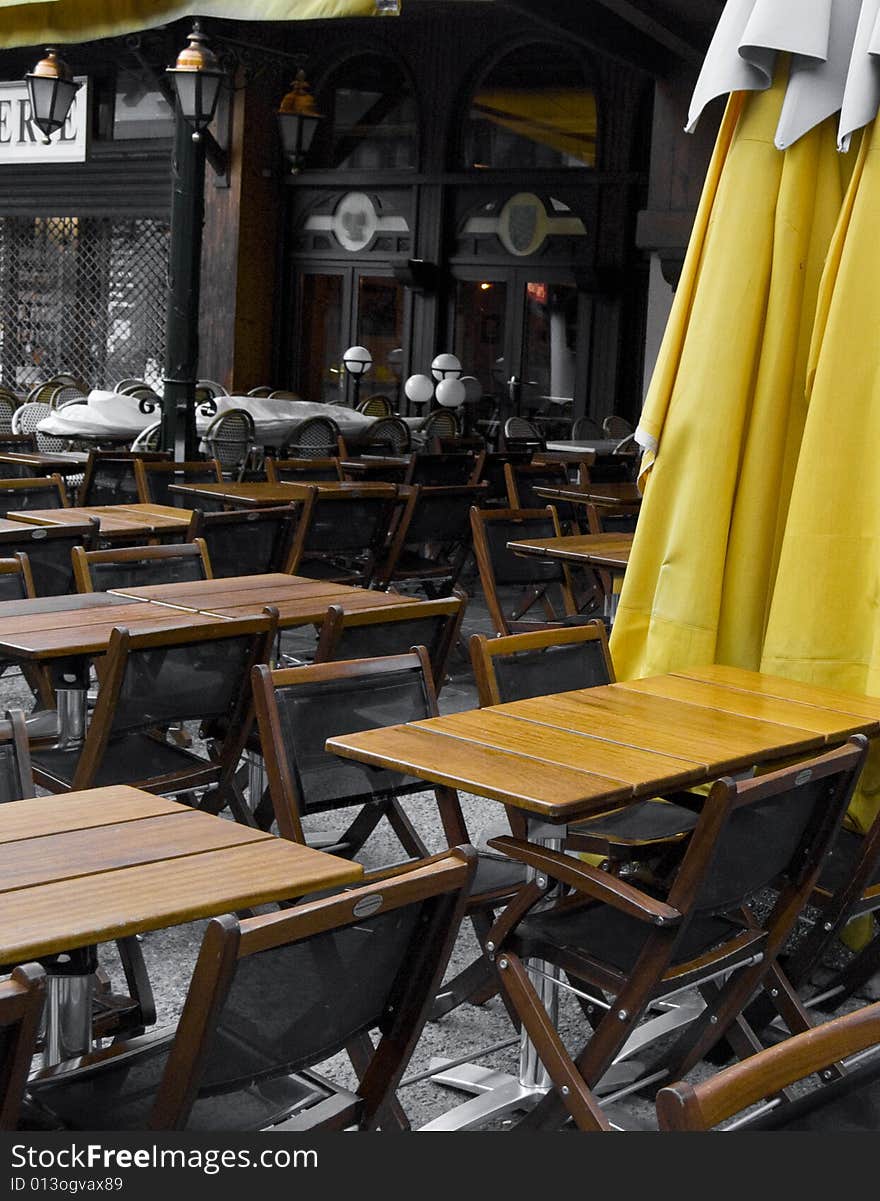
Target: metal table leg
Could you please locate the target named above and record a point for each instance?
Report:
(70, 980)
(70, 679)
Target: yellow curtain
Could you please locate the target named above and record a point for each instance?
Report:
(726, 403)
(32, 22)
(824, 622)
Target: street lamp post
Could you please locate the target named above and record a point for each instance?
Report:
(197, 80)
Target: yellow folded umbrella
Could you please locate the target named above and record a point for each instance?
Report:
(726, 404)
(824, 621)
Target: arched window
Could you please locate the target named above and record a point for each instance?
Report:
(533, 108)
(371, 117)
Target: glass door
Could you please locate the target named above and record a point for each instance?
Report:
(323, 303)
(379, 323)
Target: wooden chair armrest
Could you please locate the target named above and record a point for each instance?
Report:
(602, 886)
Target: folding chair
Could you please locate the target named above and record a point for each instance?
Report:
(302, 470)
(110, 479)
(529, 579)
(341, 534)
(273, 996)
(153, 477)
(139, 566)
(150, 682)
(21, 1005)
(45, 492)
(441, 469)
(624, 950)
(837, 1103)
(299, 708)
(247, 541)
(432, 538)
(368, 633)
(48, 549)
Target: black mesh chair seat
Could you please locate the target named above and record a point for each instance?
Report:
(838, 868)
(130, 759)
(648, 821)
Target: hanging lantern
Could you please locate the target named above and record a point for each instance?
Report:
(51, 89)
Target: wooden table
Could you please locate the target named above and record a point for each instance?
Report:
(260, 494)
(299, 600)
(61, 462)
(607, 551)
(571, 755)
(621, 496)
(119, 523)
(101, 864)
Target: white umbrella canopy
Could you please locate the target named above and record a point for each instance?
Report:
(33, 22)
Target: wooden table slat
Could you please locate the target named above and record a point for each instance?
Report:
(92, 909)
(796, 691)
(87, 809)
(63, 856)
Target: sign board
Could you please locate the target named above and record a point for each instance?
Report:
(22, 142)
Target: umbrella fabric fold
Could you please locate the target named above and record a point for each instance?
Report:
(725, 409)
(824, 621)
(33, 22)
(835, 61)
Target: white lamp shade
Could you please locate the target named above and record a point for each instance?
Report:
(450, 393)
(419, 388)
(357, 360)
(446, 366)
(473, 389)
(198, 92)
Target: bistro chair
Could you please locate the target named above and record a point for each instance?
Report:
(110, 479)
(210, 388)
(153, 477)
(28, 416)
(299, 708)
(617, 427)
(520, 434)
(271, 997)
(143, 391)
(341, 534)
(247, 541)
(513, 584)
(627, 950)
(300, 471)
(66, 394)
(432, 539)
(140, 566)
(40, 393)
(376, 405)
(147, 439)
(844, 1056)
(48, 550)
(316, 438)
(440, 469)
(260, 390)
(388, 435)
(21, 1005)
(522, 666)
(17, 583)
(441, 423)
(9, 402)
(42, 492)
(368, 633)
(587, 427)
(153, 681)
(230, 439)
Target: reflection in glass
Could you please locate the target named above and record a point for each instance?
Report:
(479, 332)
(321, 374)
(140, 110)
(380, 329)
(549, 347)
(532, 109)
(371, 117)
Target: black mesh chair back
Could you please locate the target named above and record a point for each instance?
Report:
(247, 542)
(16, 778)
(442, 514)
(45, 492)
(299, 708)
(16, 581)
(520, 526)
(104, 570)
(613, 469)
(21, 1005)
(110, 478)
(523, 479)
(433, 536)
(341, 534)
(156, 680)
(492, 472)
(370, 633)
(154, 478)
(523, 666)
(272, 996)
(388, 435)
(300, 471)
(316, 438)
(440, 469)
(48, 549)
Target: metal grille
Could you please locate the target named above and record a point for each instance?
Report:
(82, 295)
